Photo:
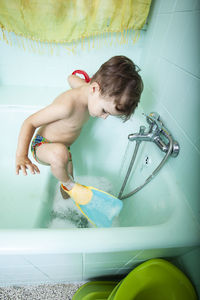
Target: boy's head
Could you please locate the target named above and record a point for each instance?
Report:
(118, 80)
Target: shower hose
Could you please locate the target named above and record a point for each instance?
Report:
(155, 172)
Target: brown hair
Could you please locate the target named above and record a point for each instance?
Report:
(119, 78)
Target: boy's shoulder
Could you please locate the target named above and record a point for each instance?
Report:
(68, 99)
(69, 94)
(68, 103)
(64, 102)
(73, 96)
(64, 97)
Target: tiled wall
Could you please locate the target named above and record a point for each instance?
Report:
(171, 72)
(52, 268)
(189, 264)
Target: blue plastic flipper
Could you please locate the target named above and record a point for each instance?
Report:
(102, 208)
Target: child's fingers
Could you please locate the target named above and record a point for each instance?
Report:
(31, 168)
(36, 168)
(17, 170)
(23, 168)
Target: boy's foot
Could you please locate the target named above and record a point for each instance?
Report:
(64, 194)
(79, 193)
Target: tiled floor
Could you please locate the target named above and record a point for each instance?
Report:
(39, 292)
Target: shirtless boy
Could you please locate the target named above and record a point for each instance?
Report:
(114, 90)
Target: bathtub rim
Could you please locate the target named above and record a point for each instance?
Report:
(38, 241)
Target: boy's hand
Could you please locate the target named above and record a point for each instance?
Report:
(23, 163)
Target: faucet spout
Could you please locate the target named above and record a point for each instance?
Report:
(140, 137)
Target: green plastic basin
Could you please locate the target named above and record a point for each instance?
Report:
(155, 279)
(95, 290)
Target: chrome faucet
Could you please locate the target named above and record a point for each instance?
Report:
(157, 133)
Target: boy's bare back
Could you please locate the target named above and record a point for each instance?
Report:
(64, 118)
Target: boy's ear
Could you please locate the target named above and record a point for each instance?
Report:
(94, 87)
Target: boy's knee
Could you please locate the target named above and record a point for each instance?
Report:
(60, 156)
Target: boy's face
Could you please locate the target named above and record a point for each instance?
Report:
(99, 106)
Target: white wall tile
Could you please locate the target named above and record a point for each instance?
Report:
(182, 42)
(167, 6)
(181, 99)
(182, 5)
(12, 261)
(104, 264)
(113, 257)
(29, 68)
(162, 23)
(91, 273)
(40, 268)
(171, 79)
(69, 272)
(161, 253)
(55, 259)
(58, 266)
(189, 264)
(21, 274)
(186, 166)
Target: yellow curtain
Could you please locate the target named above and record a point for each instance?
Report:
(65, 21)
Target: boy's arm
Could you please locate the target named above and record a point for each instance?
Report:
(22, 160)
(75, 81)
(49, 114)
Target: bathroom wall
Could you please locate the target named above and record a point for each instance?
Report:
(42, 65)
(171, 70)
(189, 264)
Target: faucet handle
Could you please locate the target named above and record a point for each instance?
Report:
(154, 115)
(142, 129)
(154, 119)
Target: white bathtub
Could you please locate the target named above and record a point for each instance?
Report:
(156, 222)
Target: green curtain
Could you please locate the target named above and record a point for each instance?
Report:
(64, 21)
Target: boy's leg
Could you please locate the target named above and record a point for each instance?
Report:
(57, 156)
(70, 172)
(70, 168)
